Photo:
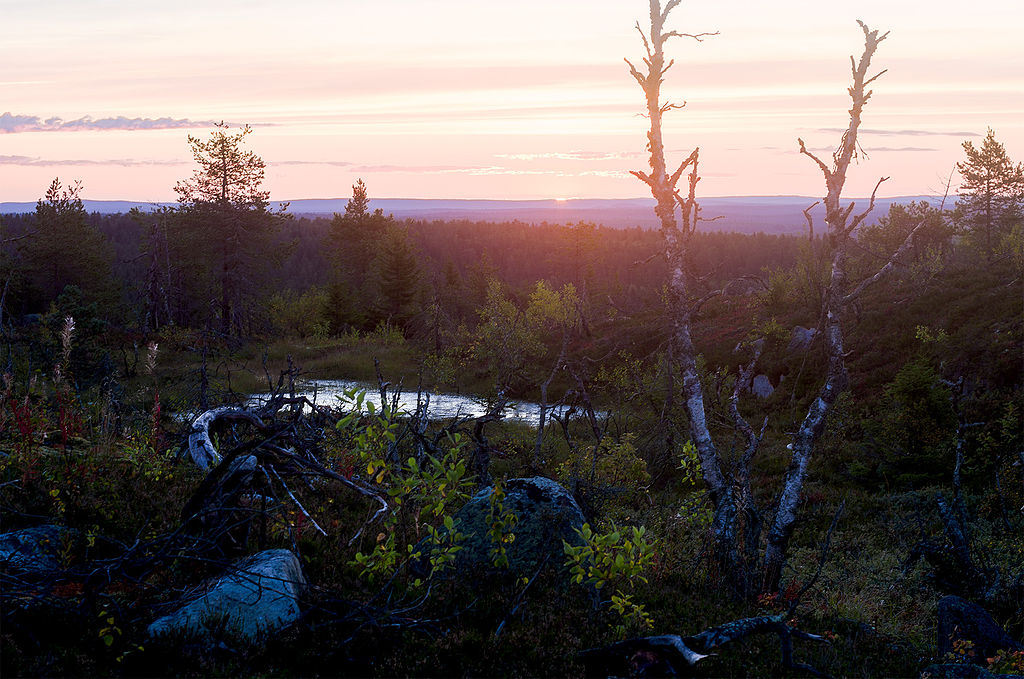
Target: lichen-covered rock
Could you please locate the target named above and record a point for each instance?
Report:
(961, 619)
(258, 596)
(38, 549)
(547, 514)
(801, 339)
(762, 387)
(956, 671)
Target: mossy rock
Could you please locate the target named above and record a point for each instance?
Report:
(40, 549)
(547, 515)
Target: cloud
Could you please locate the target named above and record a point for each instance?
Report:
(335, 163)
(43, 162)
(496, 170)
(571, 155)
(872, 149)
(617, 174)
(10, 124)
(416, 169)
(905, 133)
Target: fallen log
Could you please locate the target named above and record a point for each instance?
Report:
(668, 654)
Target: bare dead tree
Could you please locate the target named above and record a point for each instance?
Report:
(841, 224)
(676, 235)
(729, 489)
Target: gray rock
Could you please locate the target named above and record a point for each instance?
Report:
(259, 596)
(757, 345)
(547, 515)
(961, 619)
(762, 387)
(954, 671)
(37, 549)
(801, 339)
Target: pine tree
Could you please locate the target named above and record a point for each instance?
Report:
(226, 221)
(992, 192)
(358, 205)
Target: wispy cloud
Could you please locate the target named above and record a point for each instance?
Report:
(416, 169)
(873, 149)
(10, 123)
(905, 133)
(617, 174)
(496, 170)
(907, 149)
(44, 162)
(571, 155)
(334, 163)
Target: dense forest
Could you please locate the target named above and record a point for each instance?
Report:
(755, 455)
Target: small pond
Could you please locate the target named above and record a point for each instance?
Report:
(442, 406)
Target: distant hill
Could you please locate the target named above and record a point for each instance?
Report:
(744, 214)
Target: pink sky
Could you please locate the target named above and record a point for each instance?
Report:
(460, 99)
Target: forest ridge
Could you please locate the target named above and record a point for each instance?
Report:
(745, 214)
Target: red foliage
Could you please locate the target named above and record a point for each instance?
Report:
(23, 421)
(156, 434)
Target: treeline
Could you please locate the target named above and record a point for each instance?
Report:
(369, 267)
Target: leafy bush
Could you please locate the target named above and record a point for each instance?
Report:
(620, 558)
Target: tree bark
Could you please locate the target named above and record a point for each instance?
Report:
(840, 229)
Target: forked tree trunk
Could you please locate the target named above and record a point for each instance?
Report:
(730, 492)
(841, 227)
(676, 238)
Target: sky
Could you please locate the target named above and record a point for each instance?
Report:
(484, 99)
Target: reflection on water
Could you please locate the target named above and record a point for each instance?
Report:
(442, 406)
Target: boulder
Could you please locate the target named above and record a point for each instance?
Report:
(801, 339)
(38, 549)
(956, 671)
(762, 387)
(756, 346)
(257, 597)
(547, 515)
(961, 619)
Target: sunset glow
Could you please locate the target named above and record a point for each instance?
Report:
(453, 99)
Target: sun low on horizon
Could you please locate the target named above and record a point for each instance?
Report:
(457, 99)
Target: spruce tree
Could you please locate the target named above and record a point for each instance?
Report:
(992, 192)
(65, 250)
(399, 277)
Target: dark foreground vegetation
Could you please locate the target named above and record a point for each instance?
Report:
(668, 517)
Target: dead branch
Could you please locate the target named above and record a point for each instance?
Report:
(860, 217)
(669, 654)
(821, 561)
(697, 304)
(824, 168)
(15, 239)
(200, 446)
(810, 218)
(482, 453)
(837, 378)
